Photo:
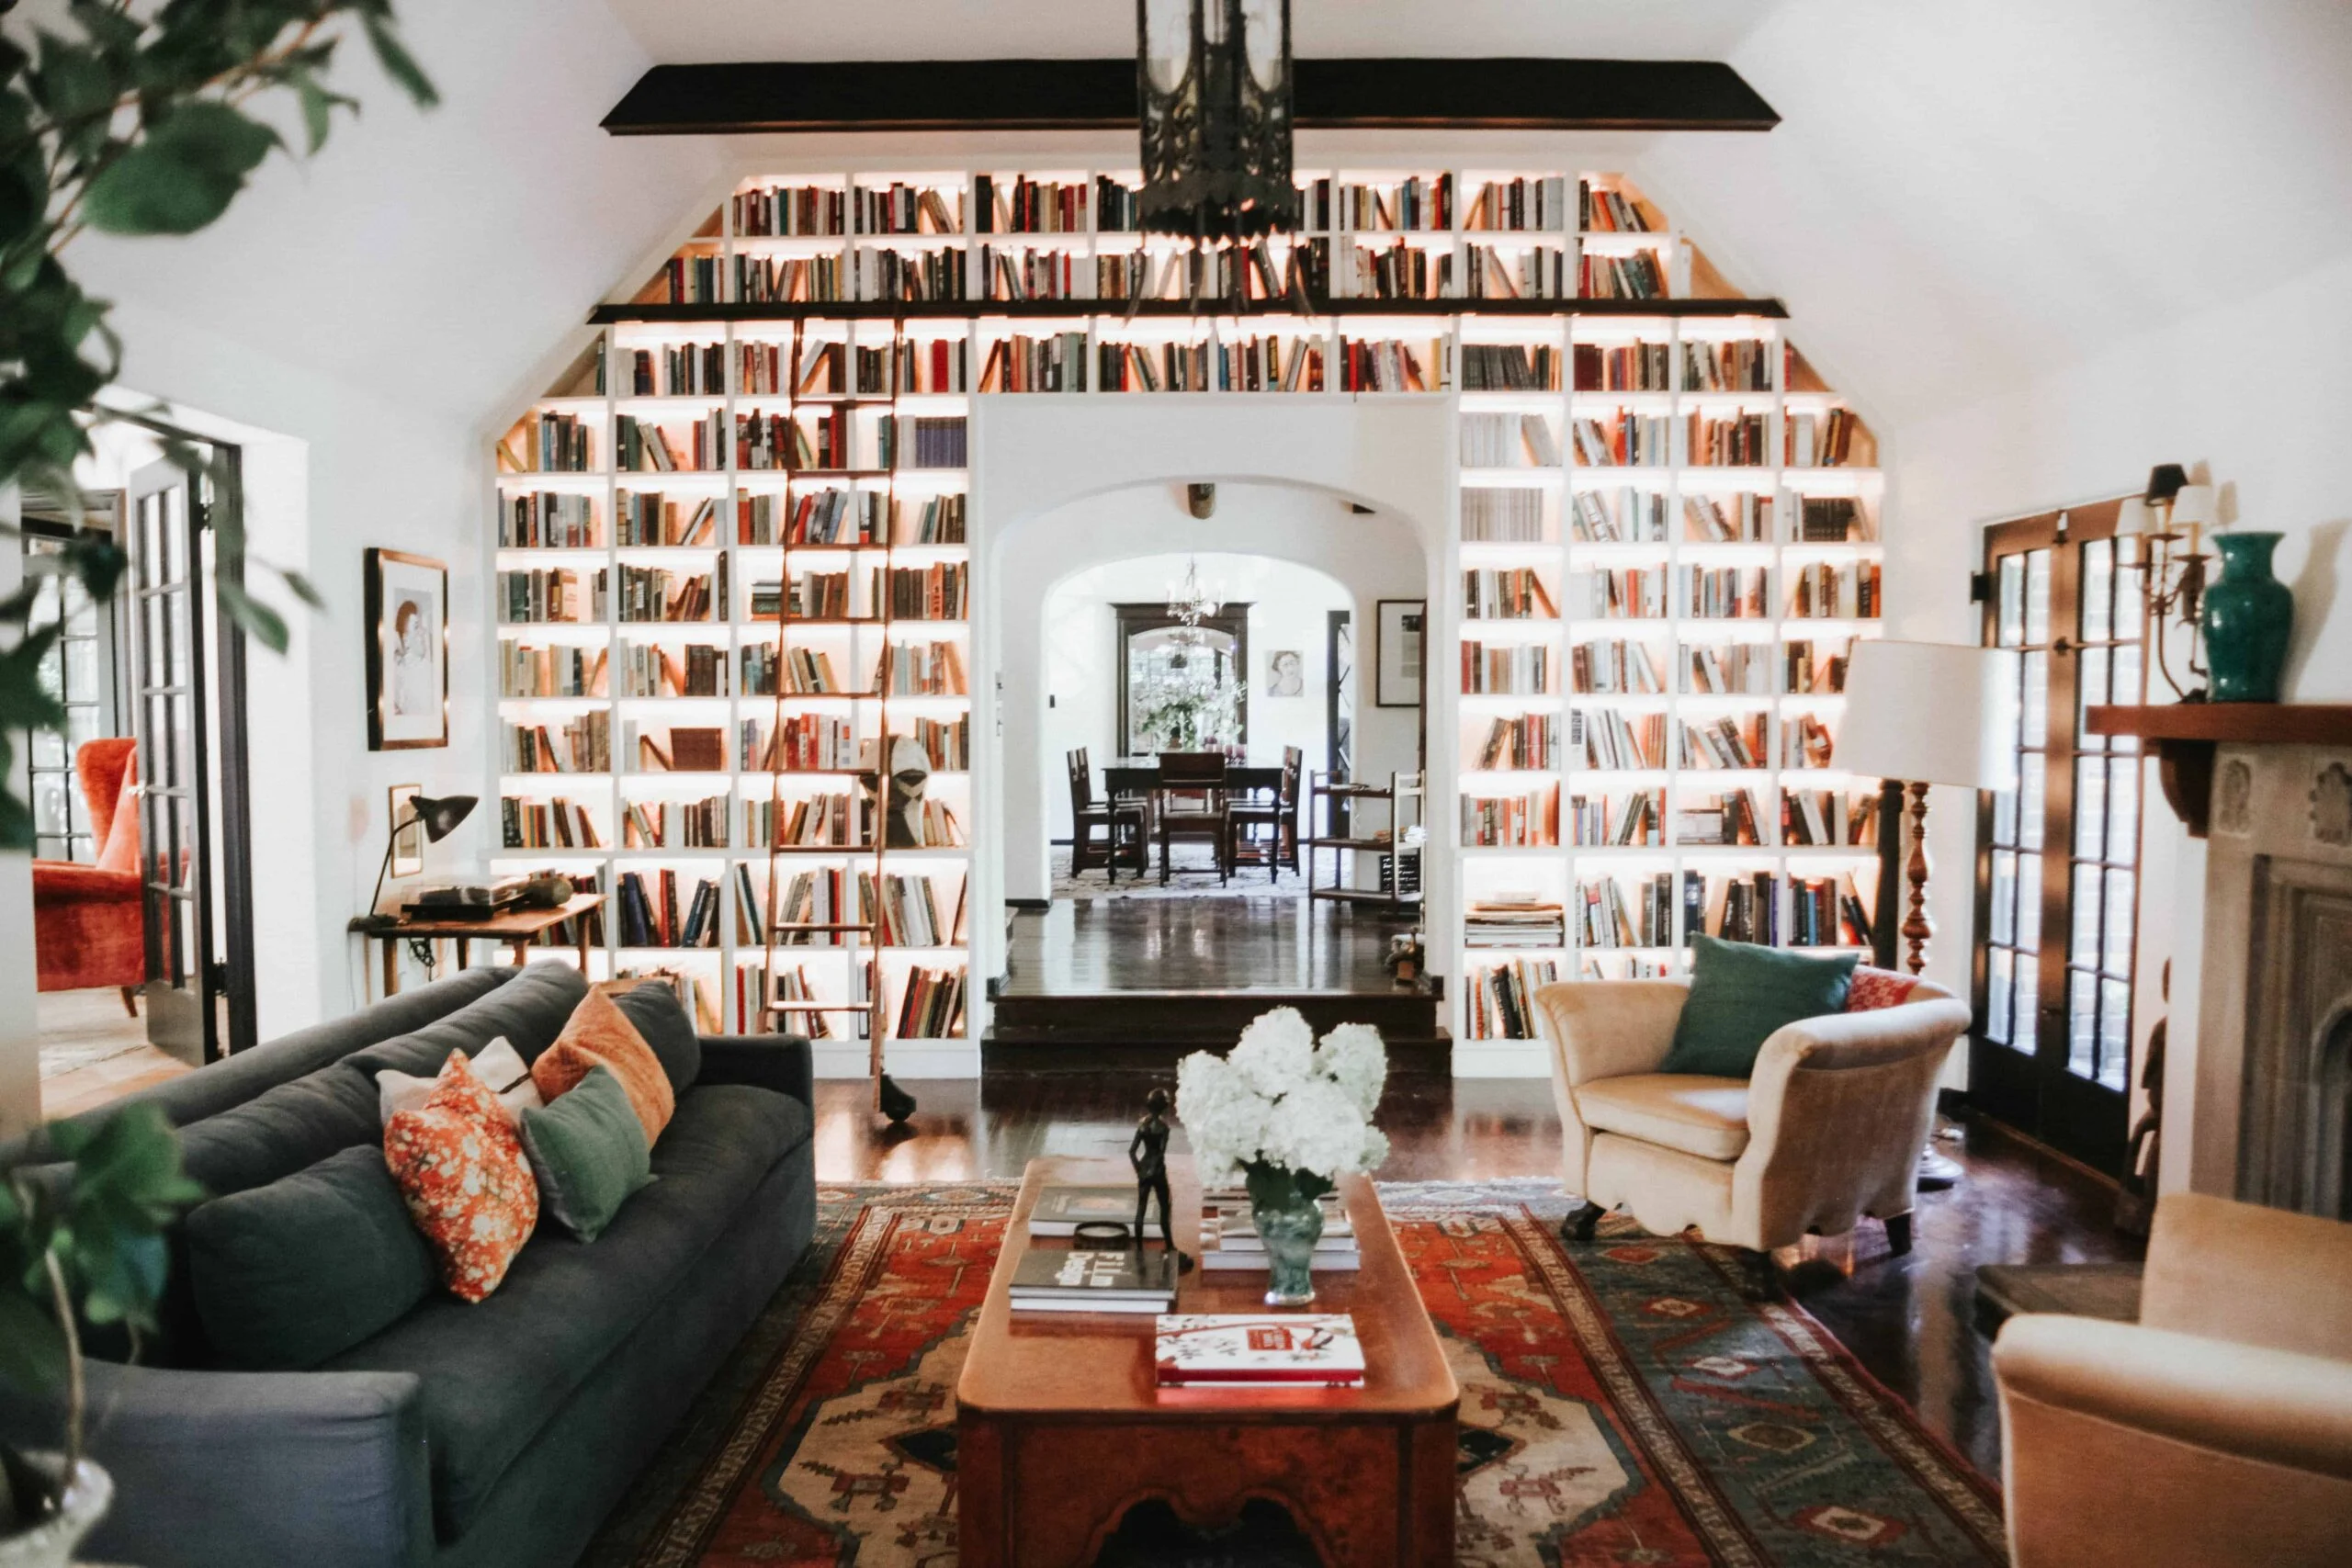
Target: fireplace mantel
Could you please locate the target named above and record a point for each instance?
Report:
(2185, 735)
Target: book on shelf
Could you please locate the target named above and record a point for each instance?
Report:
(930, 275)
(1621, 516)
(586, 746)
(648, 517)
(1511, 594)
(1516, 920)
(1724, 592)
(1509, 441)
(1062, 1207)
(795, 999)
(1829, 818)
(649, 914)
(1824, 590)
(676, 371)
(1609, 919)
(1633, 275)
(1806, 743)
(1397, 270)
(692, 278)
(1607, 667)
(1727, 441)
(1636, 367)
(1022, 205)
(547, 596)
(1834, 519)
(1728, 818)
(1741, 518)
(1499, 515)
(1518, 205)
(778, 280)
(1510, 368)
(548, 520)
(1417, 203)
(560, 670)
(1054, 1279)
(1502, 998)
(934, 593)
(1511, 668)
(1527, 741)
(643, 446)
(1028, 272)
(1390, 364)
(1612, 739)
(790, 210)
(555, 824)
(932, 1005)
(1623, 439)
(1741, 366)
(1735, 669)
(1605, 209)
(903, 909)
(1830, 440)
(1310, 1349)
(1512, 822)
(1618, 593)
(1637, 819)
(902, 208)
(548, 443)
(1737, 907)
(656, 593)
(930, 669)
(1728, 740)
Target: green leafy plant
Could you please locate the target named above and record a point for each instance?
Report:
(134, 117)
(84, 1244)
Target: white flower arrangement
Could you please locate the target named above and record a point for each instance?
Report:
(1282, 1104)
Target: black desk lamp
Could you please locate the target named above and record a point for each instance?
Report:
(440, 817)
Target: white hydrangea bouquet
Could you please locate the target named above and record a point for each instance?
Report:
(1287, 1116)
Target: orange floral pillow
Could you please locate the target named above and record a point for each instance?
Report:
(469, 1187)
(598, 1035)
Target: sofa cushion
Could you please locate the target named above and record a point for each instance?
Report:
(600, 1035)
(461, 1170)
(660, 1018)
(530, 1011)
(1700, 1115)
(1740, 992)
(493, 1374)
(289, 1274)
(588, 1151)
(280, 1131)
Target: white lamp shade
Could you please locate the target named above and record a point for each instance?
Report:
(2197, 504)
(1931, 712)
(2132, 517)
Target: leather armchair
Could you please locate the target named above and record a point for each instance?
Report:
(1828, 1130)
(2216, 1429)
(89, 921)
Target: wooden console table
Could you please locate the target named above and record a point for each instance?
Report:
(515, 927)
(1061, 1429)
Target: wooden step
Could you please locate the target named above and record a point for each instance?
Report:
(1152, 1029)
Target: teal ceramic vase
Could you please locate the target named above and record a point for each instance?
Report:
(2248, 618)
(1289, 1222)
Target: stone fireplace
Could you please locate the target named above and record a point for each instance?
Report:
(2274, 1058)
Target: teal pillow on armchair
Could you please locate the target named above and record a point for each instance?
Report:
(1741, 993)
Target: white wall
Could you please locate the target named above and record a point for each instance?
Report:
(2257, 394)
(1289, 606)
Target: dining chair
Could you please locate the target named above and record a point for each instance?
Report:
(1265, 832)
(1192, 806)
(1124, 826)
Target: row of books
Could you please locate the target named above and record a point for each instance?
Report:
(1509, 441)
(676, 371)
(648, 915)
(763, 279)
(1724, 592)
(920, 276)
(1727, 441)
(1636, 275)
(1524, 741)
(1828, 817)
(1824, 441)
(1513, 919)
(551, 520)
(1806, 741)
(1634, 367)
(698, 824)
(1511, 594)
(931, 1005)
(1601, 822)
(902, 208)
(1419, 202)
(1624, 439)
(548, 443)
(556, 824)
(1824, 589)
(586, 746)
(834, 515)
(1390, 365)
(1512, 822)
(1267, 364)
(1607, 917)
(840, 821)
(1615, 741)
(691, 277)
(800, 1008)
(1502, 515)
(1024, 271)
(808, 742)
(658, 594)
(1741, 516)
(644, 446)
(807, 672)
(1605, 209)
(555, 669)
(1541, 203)
(1726, 740)
(680, 749)
(648, 517)
(1731, 819)
(1502, 999)
(1024, 206)
(1739, 365)
(547, 594)
(1510, 368)
(1511, 668)
(1606, 667)
(1718, 669)
(1623, 592)
(1617, 517)
(927, 669)
(790, 209)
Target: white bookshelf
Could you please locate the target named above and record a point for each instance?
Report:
(1437, 328)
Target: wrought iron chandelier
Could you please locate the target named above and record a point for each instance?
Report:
(1191, 605)
(1214, 80)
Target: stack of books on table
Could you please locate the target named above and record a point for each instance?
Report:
(1216, 1350)
(1074, 1279)
(1061, 1209)
(1230, 1238)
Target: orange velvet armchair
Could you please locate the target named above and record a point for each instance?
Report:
(89, 921)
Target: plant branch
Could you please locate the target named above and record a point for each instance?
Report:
(76, 1391)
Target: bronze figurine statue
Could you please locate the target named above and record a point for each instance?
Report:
(1148, 1154)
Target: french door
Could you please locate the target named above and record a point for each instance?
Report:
(2057, 907)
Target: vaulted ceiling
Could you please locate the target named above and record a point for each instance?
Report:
(1958, 200)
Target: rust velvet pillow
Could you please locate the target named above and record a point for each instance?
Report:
(462, 1173)
(600, 1036)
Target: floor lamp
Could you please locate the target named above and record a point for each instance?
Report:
(1921, 713)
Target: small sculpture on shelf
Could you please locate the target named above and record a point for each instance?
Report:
(1148, 1154)
(1404, 958)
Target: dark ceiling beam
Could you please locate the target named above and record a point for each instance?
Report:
(1100, 95)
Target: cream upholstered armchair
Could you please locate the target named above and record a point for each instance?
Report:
(2216, 1429)
(1828, 1130)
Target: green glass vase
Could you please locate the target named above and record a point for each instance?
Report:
(2248, 618)
(1289, 1222)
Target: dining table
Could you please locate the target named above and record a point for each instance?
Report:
(1130, 776)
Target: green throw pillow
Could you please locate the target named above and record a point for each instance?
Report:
(1740, 994)
(291, 1273)
(588, 1150)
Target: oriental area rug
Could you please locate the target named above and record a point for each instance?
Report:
(1621, 1403)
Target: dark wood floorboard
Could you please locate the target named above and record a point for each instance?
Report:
(1195, 945)
(1907, 1319)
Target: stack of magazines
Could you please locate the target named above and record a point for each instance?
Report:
(1230, 1238)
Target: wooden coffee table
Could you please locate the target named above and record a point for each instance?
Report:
(1061, 1429)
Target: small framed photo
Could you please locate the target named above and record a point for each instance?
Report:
(408, 652)
(1396, 656)
(1286, 674)
(408, 842)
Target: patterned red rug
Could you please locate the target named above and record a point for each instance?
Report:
(1621, 1404)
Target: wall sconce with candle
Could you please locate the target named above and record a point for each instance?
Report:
(2169, 522)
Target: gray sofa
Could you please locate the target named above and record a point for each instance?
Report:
(497, 1433)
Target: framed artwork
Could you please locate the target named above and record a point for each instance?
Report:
(1286, 674)
(1396, 653)
(408, 652)
(408, 843)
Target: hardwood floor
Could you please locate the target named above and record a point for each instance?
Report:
(1908, 1319)
(93, 1052)
(1195, 945)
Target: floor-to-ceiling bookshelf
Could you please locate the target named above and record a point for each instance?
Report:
(1044, 309)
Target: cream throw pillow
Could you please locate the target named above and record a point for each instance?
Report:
(498, 1066)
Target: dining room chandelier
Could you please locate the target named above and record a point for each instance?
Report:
(1189, 605)
(1214, 85)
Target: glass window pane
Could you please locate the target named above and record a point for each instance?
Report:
(81, 724)
(2114, 1032)
(2091, 806)
(2029, 902)
(2005, 897)
(2123, 811)
(2005, 816)
(2090, 690)
(2037, 597)
(48, 749)
(2128, 688)
(2082, 1023)
(2097, 589)
(2028, 1031)
(81, 671)
(2033, 722)
(2082, 946)
(49, 809)
(1998, 994)
(2012, 617)
(2130, 609)
(2030, 799)
(2118, 959)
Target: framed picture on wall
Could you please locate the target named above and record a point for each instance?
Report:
(408, 652)
(1396, 653)
(1286, 674)
(408, 842)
